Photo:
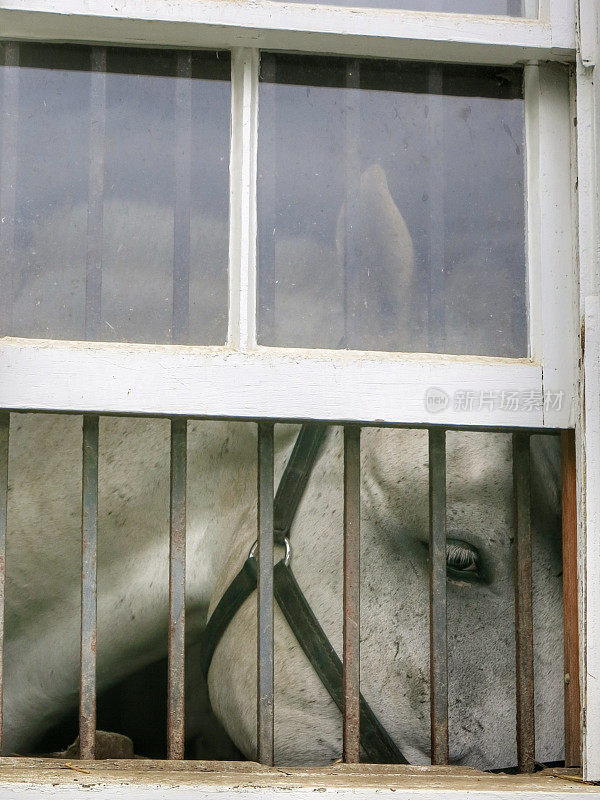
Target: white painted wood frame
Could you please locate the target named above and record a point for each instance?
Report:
(245, 381)
(588, 423)
(297, 26)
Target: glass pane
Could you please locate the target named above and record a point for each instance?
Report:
(114, 194)
(391, 206)
(511, 8)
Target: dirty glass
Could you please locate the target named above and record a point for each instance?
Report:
(114, 193)
(511, 8)
(391, 206)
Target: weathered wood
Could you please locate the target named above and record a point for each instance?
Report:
(273, 382)
(351, 602)
(301, 26)
(523, 605)
(438, 641)
(570, 601)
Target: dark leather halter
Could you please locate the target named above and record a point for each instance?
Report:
(377, 745)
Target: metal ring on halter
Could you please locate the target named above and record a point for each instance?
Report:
(288, 551)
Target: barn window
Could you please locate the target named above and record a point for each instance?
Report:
(192, 202)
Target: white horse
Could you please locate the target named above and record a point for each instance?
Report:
(42, 625)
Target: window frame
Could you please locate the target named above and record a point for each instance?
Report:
(245, 381)
(365, 386)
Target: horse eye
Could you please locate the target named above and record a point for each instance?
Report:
(462, 559)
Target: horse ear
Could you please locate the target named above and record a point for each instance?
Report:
(376, 257)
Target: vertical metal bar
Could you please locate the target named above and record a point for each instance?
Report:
(265, 644)
(351, 631)
(436, 250)
(89, 550)
(438, 639)
(8, 176)
(95, 210)
(570, 601)
(523, 605)
(351, 277)
(4, 440)
(176, 648)
(181, 229)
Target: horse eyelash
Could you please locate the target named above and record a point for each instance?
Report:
(460, 557)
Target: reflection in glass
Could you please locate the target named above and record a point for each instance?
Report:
(391, 206)
(511, 8)
(114, 194)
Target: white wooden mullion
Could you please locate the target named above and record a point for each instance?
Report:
(556, 279)
(242, 233)
(552, 285)
(533, 202)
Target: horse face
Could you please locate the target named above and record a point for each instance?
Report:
(395, 605)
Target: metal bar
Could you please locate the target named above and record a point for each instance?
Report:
(8, 165)
(523, 605)
(89, 551)
(351, 630)
(438, 639)
(570, 601)
(265, 644)
(4, 443)
(95, 209)
(176, 648)
(181, 231)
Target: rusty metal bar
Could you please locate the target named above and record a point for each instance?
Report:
(523, 604)
(570, 601)
(176, 648)
(10, 133)
(4, 440)
(181, 233)
(89, 551)
(95, 209)
(265, 644)
(351, 630)
(438, 639)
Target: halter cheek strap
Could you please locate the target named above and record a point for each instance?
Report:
(377, 744)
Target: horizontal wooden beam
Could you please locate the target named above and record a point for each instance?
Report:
(296, 26)
(116, 378)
